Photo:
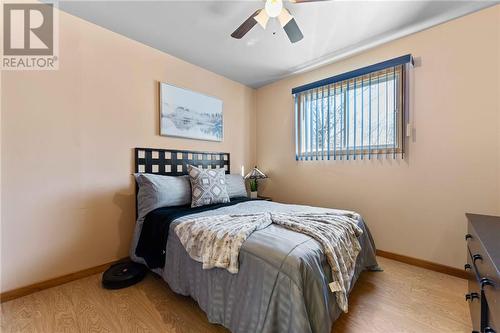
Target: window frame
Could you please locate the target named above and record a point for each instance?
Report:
(309, 149)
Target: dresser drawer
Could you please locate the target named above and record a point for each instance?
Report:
(484, 271)
(483, 246)
(476, 251)
(493, 317)
(471, 267)
(473, 297)
(492, 294)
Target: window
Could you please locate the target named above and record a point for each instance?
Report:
(360, 114)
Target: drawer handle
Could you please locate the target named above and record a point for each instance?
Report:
(485, 282)
(477, 257)
(468, 236)
(467, 267)
(471, 296)
(489, 330)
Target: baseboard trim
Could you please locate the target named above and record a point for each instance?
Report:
(425, 264)
(23, 291)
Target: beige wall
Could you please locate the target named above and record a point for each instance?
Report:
(67, 139)
(414, 207)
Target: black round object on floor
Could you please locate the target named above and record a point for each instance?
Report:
(123, 274)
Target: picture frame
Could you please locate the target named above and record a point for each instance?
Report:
(191, 115)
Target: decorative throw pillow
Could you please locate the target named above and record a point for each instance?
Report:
(208, 186)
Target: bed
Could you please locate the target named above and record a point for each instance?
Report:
(283, 278)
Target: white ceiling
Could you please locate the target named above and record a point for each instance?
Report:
(199, 31)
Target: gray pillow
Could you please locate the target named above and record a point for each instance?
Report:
(157, 191)
(208, 186)
(235, 185)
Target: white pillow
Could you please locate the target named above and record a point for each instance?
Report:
(157, 191)
(235, 185)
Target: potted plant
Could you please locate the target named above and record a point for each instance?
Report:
(252, 177)
(253, 188)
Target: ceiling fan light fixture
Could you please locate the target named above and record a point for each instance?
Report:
(262, 18)
(284, 17)
(274, 7)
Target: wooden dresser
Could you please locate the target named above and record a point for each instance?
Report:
(483, 261)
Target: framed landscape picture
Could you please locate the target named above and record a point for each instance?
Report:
(188, 114)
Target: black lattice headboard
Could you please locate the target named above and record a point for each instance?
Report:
(172, 162)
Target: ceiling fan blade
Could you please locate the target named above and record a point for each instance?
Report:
(246, 26)
(290, 26)
(284, 17)
(262, 19)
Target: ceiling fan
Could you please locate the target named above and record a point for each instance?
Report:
(273, 9)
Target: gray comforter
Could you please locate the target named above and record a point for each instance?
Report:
(282, 283)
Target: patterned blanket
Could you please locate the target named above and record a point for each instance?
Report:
(215, 241)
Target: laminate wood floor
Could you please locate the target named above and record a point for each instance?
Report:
(403, 298)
